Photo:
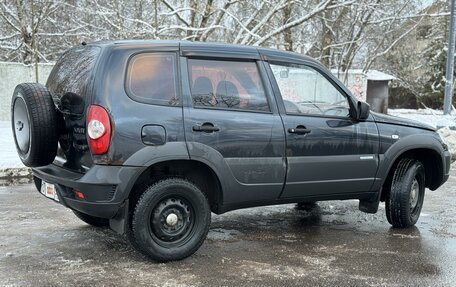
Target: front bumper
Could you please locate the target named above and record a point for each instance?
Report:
(105, 188)
(447, 162)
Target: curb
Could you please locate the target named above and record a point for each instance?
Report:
(15, 175)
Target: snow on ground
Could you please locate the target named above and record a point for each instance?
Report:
(8, 154)
(446, 124)
(431, 117)
(449, 137)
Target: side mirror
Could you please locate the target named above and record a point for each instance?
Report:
(363, 111)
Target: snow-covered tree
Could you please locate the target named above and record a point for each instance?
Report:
(342, 34)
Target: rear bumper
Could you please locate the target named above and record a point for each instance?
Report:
(105, 188)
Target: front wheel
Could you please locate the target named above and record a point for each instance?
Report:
(405, 198)
(170, 221)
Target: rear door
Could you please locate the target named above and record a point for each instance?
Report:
(328, 152)
(70, 84)
(232, 124)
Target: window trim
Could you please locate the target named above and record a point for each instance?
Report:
(322, 73)
(151, 101)
(237, 60)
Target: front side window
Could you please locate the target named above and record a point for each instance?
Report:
(151, 78)
(305, 91)
(227, 85)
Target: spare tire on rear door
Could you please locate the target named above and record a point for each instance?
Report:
(34, 123)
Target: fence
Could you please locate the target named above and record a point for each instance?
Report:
(12, 74)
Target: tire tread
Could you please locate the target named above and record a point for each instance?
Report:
(132, 232)
(396, 207)
(43, 124)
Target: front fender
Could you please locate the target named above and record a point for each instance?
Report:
(407, 143)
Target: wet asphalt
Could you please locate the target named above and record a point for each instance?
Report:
(332, 244)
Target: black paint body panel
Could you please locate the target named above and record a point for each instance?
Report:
(255, 159)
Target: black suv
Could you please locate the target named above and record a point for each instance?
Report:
(149, 137)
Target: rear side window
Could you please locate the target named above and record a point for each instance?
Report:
(72, 72)
(227, 85)
(151, 78)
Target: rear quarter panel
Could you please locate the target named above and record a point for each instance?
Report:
(129, 116)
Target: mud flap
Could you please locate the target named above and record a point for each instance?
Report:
(119, 222)
(370, 205)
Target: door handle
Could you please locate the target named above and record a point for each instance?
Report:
(300, 130)
(206, 127)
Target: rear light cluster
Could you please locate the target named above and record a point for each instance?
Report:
(98, 130)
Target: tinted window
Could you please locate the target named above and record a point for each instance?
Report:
(305, 91)
(71, 73)
(227, 85)
(151, 78)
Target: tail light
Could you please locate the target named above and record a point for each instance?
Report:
(98, 130)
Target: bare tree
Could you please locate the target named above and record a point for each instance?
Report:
(342, 34)
(23, 21)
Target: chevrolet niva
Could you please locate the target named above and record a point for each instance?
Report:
(150, 137)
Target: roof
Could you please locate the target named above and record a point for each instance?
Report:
(204, 46)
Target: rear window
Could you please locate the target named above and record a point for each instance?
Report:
(72, 72)
(151, 78)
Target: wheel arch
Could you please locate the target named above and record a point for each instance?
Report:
(197, 172)
(431, 160)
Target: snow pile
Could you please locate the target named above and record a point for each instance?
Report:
(449, 137)
(11, 167)
(446, 124)
(432, 117)
(9, 158)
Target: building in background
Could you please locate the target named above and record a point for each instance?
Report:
(371, 87)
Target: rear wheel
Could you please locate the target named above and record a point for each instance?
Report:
(170, 221)
(92, 220)
(405, 198)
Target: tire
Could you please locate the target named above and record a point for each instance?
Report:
(405, 198)
(92, 220)
(34, 124)
(306, 205)
(170, 221)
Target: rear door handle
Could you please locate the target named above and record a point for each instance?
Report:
(206, 127)
(300, 130)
